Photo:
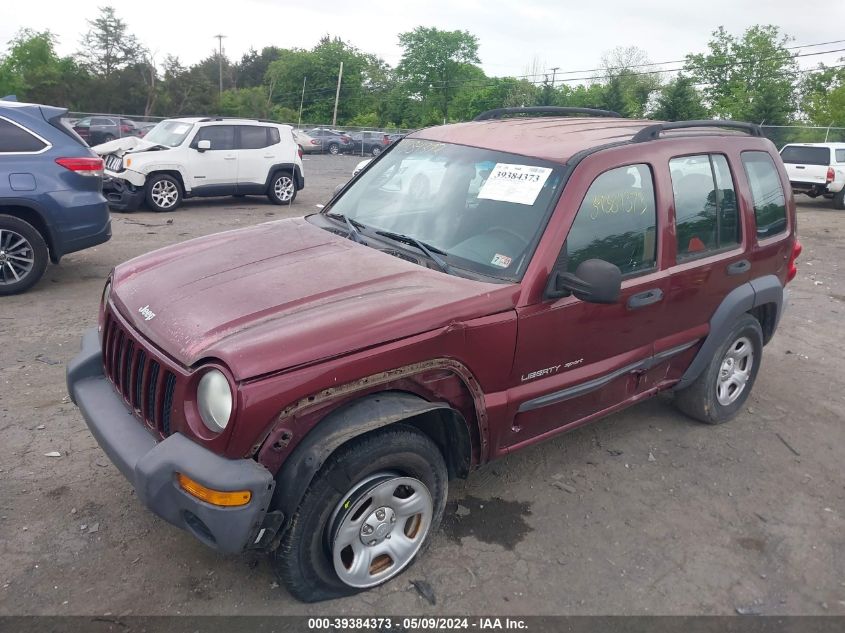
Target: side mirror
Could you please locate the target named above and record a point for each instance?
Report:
(203, 145)
(594, 281)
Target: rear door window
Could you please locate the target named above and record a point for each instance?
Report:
(16, 140)
(766, 192)
(253, 137)
(802, 155)
(617, 222)
(706, 213)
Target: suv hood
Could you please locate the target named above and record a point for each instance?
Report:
(285, 293)
(121, 146)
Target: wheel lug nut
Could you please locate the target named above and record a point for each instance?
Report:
(380, 515)
(367, 529)
(373, 542)
(388, 536)
(393, 519)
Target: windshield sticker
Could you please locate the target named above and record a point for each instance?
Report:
(502, 261)
(514, 183)
(180, 129)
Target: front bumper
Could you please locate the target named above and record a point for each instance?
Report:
(122, 195)
(151, 464)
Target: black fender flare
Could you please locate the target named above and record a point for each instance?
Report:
(298, 179)
(361, 416)
(754, 293)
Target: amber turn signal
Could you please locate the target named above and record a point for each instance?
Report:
(214, 497)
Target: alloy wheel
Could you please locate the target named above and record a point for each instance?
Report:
(735, 371)
(17, 258)
(165, 194)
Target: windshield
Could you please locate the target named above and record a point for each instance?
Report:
(169, 133)
(484, 210)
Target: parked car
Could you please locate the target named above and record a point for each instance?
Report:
(817, 169)
(308, 387)
(308, 144)
(51, 201)
(361, 166)
(331, 141)
(101, 129)
(144, 127)
(184, 158)
(372, 143)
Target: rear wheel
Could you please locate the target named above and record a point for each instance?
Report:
(23, 255)
(839, 199)
(334, 149)
(163, 193)
(719, 392)
(366, 516)
(376, 150)
(282, 188)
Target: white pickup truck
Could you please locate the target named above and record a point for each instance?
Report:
(816, 169)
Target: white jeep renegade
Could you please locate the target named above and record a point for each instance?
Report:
(184, 158)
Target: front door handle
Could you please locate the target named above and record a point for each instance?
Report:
(228, 158)
(737, 268)
(646, 298)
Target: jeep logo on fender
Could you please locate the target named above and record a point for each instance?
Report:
(148, 314)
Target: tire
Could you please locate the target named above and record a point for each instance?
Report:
(334, 149)
(23, 255)
(375, 151)
(282, 189)
(839, 199)
(368, 472)
(715, 396)
(163, 193)
(108, 137)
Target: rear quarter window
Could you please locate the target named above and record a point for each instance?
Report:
(766, 192)
(840, 156)
(15, 139)
(802, 155)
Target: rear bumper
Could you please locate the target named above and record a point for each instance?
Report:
(122, 195)
(815, 188)
(151, 464)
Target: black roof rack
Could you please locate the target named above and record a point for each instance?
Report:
(234, 118)
(499, 113)
(652, 132)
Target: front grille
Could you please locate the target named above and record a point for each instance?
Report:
(146, 385)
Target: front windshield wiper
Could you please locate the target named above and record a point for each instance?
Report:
(428, 249)
(353, 225)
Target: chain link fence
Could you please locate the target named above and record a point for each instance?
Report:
(110, 125)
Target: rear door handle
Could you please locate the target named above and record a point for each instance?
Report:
(737, 268)
(646, 298)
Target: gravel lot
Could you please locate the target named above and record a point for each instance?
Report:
(642, 512)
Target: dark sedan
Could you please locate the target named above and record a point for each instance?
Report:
(102, 129)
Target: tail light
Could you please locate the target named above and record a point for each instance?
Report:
(314, 141)
(792, 269)
(830, 175)
(299, 151)
(385, 140)
(87, 166)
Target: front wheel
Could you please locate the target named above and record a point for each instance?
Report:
(282, 189)
(718, 394)
(334, 149)
(23, 255)
(376, 151)
(368, 513)
(163, 193)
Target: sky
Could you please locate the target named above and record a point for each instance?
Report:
(516, 37)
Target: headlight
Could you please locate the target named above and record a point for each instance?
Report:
(214, 400)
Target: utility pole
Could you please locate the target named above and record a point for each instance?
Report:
(302, 98)
(554, 72)
(220, 59)
(337, 94)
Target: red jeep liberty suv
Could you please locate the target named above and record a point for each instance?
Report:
(477, 288)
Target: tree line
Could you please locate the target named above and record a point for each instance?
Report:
(752, 76)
